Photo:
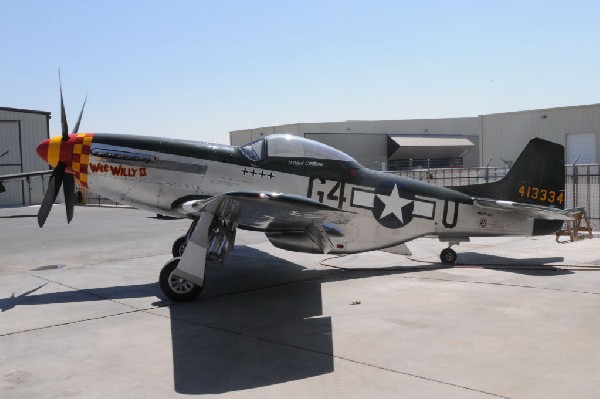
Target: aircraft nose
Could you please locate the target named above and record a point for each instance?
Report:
(56, 149)
(42, 149)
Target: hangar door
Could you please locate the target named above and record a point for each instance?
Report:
(10, 162)
(581, 147)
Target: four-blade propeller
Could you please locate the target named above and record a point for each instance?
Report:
(59, 175)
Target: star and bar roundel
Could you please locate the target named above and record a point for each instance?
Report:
(393, 204)
(393, 208)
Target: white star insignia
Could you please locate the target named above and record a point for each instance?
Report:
(393, 204)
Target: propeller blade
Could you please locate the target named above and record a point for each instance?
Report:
(52, 192)
(63, 114)
(76, 128)
(70, 198)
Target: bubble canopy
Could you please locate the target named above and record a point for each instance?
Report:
(288, 146)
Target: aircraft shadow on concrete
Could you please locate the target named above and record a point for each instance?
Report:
(18, 216)
(260, 337)
(243, 333)
(260, 322)
(526, 266)
(86, 295)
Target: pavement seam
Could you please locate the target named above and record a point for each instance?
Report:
(503, 285)
(69, 322)
(83, 290)
(134, 309)
(403, 270)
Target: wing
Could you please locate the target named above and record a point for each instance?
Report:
(527, 210)
(272, 212)
(264, 211)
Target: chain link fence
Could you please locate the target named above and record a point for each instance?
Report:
(455, 176)
(582, 183)
(85, 197)
(582, 189)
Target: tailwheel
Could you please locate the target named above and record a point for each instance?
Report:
(448, 256)
(179, 246)
(177, 288)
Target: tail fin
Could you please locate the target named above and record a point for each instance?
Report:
(537, 177)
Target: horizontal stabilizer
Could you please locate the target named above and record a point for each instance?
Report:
(527, 210)
(401, 249)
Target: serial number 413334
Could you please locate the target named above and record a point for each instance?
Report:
(543, 195)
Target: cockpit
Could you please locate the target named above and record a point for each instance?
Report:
(288, 146)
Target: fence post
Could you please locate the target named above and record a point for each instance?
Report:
(575, 181)
(487, 171)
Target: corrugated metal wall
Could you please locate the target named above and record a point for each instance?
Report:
(502, 136)
(505, 135)
(373, 147)
(241, 137)
(20, 133)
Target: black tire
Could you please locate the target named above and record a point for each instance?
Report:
(178, 247)
(176, 288)
(448, 256)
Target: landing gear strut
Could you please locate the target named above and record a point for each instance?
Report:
(448, 256)
(180, 243)
(209, 240)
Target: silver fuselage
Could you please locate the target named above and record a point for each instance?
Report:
(159, 175)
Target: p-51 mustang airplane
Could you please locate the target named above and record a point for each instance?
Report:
(305, 196)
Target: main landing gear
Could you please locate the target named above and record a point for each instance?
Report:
(209, 240)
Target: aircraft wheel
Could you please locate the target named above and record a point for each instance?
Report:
(176, 288)
(179, 246)
(448, 256)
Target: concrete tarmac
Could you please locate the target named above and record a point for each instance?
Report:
(81, 315)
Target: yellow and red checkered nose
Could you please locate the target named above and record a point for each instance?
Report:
(74, 153)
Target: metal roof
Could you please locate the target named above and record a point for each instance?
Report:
(427, 147)
(26, 111)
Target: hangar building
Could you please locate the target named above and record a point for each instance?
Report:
(451, 142)
(21, 130)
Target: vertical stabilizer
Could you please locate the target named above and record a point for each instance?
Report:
(537, 177)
